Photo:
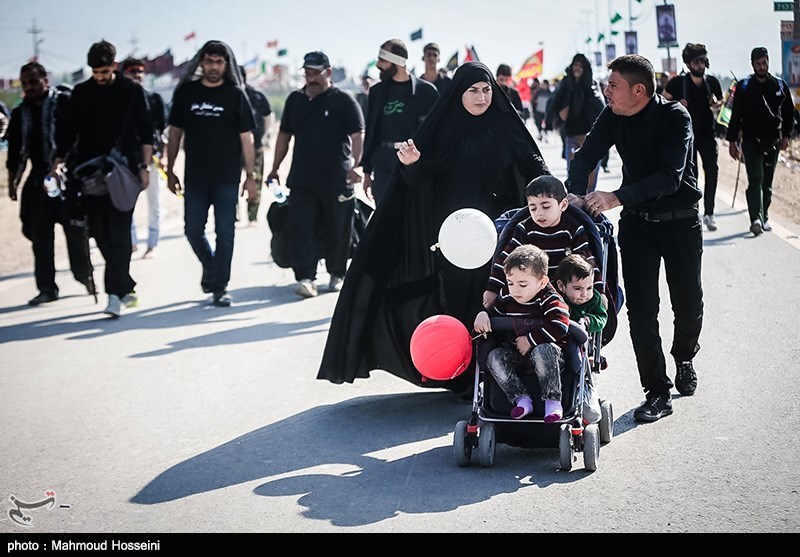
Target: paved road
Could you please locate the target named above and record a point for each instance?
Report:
(182, 417)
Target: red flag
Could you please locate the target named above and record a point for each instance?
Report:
(532, 67)
(471, 55)
(272, 44)
(190, 36)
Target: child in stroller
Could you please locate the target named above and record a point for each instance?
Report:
(490, 422)
(537, 346)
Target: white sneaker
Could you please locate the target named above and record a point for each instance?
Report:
(335, 285)
(114, 306)
(756, 227)
(306, 289)
(130, 300)
(767, 226)
(710, 222)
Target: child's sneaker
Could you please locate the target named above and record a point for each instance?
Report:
(552, 411)
(522, 407)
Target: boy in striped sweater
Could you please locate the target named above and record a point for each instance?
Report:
(537, 344)
(557, 233)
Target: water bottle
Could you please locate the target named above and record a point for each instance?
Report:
(51, 184)
(278, 191)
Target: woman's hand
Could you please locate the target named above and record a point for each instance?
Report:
(407, 152)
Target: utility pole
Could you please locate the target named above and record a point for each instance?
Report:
(35, 31)
(134, 45)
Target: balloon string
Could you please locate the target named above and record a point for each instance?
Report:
(479, 335)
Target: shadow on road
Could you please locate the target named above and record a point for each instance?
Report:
(361, 461)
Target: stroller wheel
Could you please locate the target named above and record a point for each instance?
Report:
(606, 421)
(591, 447)
(565, 447)
(486, 445)
(462, 446)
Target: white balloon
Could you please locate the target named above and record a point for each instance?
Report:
(468, 238)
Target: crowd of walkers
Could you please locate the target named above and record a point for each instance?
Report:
(421, 148)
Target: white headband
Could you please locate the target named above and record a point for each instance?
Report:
(392, 57)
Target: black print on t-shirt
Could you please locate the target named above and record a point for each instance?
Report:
(207, 109)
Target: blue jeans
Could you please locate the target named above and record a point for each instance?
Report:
(217, 262)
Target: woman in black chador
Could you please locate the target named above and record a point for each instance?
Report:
(472, 150)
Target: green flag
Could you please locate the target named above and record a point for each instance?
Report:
(600, 37)
(614, 32)
(616, 18)
(588, 40)
(282, 52)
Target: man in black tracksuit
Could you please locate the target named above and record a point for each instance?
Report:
(31, 136)
(108, 109)
(762, 118)
(659, 221)
(700, 94)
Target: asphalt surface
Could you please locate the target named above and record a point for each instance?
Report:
(180, 417)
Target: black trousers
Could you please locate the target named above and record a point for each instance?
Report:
(643, 246)
(760, 158)
(39, 214)
(706, 146)
(111, 230)
(384, 161)
(319, 224)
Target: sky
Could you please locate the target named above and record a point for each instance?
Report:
(350, 31)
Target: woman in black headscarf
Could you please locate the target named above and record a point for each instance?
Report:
(472, 151)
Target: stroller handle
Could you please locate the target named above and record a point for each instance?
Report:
(576, 330)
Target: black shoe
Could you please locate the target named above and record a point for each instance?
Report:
(42, 298)
(89, 284)
(206, 282)
(685, 378)
(222, 300)
(653, 409)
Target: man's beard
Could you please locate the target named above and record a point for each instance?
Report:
(388, 73)
(697, 73)
(213, 77)
(761, 73)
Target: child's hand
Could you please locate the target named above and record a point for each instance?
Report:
(483, 324)
(489, 298)
(523, 345)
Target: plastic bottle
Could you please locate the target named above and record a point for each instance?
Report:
(278, 191)
(51, 184)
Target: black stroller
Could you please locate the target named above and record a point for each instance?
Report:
(490, 422)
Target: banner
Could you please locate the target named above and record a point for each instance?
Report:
(611, 52)
(667, 33)
(631, 42)
(416, 35)
(531, 67)
(190, 36)
(272, 44)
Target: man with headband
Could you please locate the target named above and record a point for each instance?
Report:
(397, 106)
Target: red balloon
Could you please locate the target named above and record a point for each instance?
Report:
(441, 347)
